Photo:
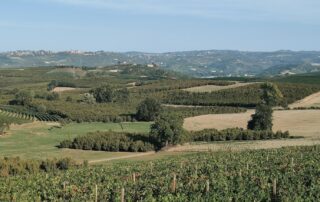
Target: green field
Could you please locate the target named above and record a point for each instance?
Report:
(39, 140)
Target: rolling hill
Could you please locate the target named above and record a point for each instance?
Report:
(209, 63)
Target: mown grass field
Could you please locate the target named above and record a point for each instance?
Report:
(39, 140)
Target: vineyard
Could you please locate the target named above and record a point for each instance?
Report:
(287, 174)
(14, 113)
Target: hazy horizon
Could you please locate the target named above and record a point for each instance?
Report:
(160, 25)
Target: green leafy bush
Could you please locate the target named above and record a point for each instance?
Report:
(210, 135)
(111, 141)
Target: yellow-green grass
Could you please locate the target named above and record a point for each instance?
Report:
(39, 140)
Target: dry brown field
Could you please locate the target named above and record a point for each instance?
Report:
(304, 123)
(212, 88)
(310, 101)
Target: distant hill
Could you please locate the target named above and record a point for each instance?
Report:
(209, 63)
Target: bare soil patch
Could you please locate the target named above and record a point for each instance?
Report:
(63, 89)
(310, 101)
(212, 88)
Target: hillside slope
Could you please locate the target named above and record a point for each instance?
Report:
(209, 63)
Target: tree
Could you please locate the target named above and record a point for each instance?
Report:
(53, 96)
(88, 98)
(167, 130)
(23, 98)
(122, 95)
(270, 97)
(148, 110)
(52, 85)
(262, 119)
(103, 94)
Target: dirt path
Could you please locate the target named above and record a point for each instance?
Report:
(212, 88)
(312, 100)
(122, 157)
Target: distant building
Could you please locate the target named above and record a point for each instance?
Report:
(152, 65)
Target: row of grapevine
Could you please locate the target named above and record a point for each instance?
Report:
(287, 174)
(30, 116)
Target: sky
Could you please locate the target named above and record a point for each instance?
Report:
(159, 25)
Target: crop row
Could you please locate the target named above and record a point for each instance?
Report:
(287, 174)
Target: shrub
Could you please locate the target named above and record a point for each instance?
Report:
(110, 141)
(148, 110)
(209, 135)
(64, 164)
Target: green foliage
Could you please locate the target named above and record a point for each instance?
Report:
(16, 166)
(110, 141)
(271, 95)
(148, 110)
(210, 135)
(262, 119)
(50, 96)
(23, 98)
(231, 176)
(53, 96)
(106, 93)
(103, 94)
(24, 114)
(246, 96)
(190, 111)
(4, 125)
(88, 98)
(122, 95)
(310, 78)
(168, 130)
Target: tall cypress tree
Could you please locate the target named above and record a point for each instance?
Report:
(262, 119)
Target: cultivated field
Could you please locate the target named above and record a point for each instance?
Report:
(310, 101)
(304, 123)
(212, 88)
(298, 122)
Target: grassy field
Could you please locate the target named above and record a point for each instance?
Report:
(39, 140)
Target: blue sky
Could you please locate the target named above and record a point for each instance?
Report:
(159, 25)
